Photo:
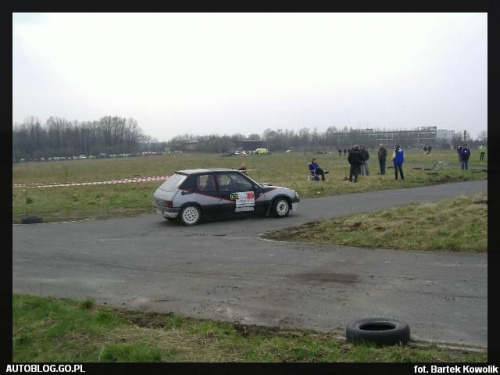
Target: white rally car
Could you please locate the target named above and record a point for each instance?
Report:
(193, 194)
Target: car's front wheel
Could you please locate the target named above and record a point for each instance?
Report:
(281, 207)
(190, 215)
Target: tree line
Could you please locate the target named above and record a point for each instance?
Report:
(116, 135)
(62, 138)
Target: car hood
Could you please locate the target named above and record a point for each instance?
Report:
(267, 184)
(269, 187)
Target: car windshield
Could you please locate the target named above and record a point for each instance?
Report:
(173, 182)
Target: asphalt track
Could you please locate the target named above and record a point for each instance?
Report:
(222, 270)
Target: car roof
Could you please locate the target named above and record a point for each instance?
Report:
(205, 170)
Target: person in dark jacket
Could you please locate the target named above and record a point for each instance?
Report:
(465, 154)
(382, 156)
(398, 157)
(356, 160)
(366, 155)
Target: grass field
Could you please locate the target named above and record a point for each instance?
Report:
(459, 225)
(48, 330)
(102, 201)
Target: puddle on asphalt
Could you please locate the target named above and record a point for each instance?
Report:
(328, 277)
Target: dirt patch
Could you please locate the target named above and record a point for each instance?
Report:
(440, 179)
(354, 226)
(304, 230)
(270, 332)
(145, 319)
(247, 330)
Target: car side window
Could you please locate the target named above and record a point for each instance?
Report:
(233, 182)
(224, 182)
(242, 183)
(189, 184)
(205, 182)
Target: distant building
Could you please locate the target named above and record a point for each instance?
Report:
(418, 137)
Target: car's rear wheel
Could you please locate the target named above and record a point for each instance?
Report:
(190, 215)
(281, 207)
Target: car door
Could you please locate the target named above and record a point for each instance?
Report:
(237, 193)
(206, 192)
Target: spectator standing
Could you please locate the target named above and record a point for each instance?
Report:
(243, 168)
(355, 159)
(459, 152)
(382, 156)
(465, 154)
(482, 152)
(366, 156)
(398, 158)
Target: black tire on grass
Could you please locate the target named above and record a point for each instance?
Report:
(379, 331)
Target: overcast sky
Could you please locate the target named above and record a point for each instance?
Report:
(227, 73)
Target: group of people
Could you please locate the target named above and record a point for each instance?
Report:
(358, 157)
(464, 154)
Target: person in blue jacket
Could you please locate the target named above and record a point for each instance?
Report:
(398, 158)
(315, 168)
(465, 154)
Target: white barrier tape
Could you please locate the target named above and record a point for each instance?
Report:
(124, 181)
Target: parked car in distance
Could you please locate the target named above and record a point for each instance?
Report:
(193, 194)
(261, 151)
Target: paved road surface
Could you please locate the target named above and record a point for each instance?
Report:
(221, 270)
